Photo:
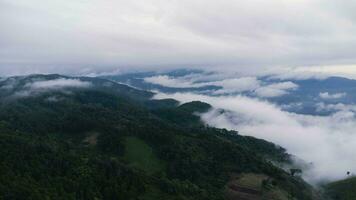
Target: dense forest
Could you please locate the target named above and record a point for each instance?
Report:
(111, 141)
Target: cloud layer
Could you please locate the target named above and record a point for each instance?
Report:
(229, 85)
(38, 86)
(276, 89)
(57, 84)
(326, 95)
(327, 143)
(86, 36)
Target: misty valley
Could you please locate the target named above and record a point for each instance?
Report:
(182, 134)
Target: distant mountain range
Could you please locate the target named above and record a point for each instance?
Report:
(311, 96)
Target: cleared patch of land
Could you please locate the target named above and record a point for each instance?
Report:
(140, 155)
(91, 139)
(253, 187)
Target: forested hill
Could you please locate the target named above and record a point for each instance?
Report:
(88, 138)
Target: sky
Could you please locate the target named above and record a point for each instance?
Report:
(91, 36)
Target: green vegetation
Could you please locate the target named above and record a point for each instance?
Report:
(111, 141)
(139, 154)
(185, 115)
(342, 190)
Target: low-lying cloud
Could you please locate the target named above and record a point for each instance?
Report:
(311, 72)
(327, 95)
(234, 85)
(40, 86)
(276, 89)
(57, 84)
(323, 107)
(228, 85)
(167, 81)
(327, 143)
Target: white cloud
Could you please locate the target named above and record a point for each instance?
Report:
(326, 95)
(326, 141)
(312, 72)
(233, 85)
(228, 85)
(269, 92)
(40, 86)
(8, 83)
(335, 107)
(172, 82)
(292, 106)
(276, 89)
(57, 84)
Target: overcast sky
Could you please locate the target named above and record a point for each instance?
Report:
(91, 35)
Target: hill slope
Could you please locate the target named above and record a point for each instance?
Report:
(88, 138)
(342, 190)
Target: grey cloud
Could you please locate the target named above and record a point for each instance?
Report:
(76, 36)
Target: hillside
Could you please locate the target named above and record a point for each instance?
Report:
(342, 190)
(89, 138)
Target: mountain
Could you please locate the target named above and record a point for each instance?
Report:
(138, 80)
(312, 92)
(91, 138)
(310, 96)
(342, 190)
